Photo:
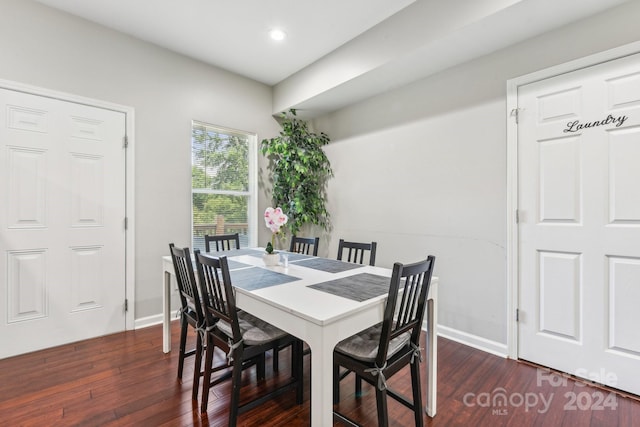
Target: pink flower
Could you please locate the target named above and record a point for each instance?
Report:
(275, 219)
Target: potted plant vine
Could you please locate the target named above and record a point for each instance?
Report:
(274, 219)
(300, 171)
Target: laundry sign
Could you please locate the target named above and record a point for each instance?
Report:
(577, 126)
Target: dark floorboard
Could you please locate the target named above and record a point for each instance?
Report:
(126, 380)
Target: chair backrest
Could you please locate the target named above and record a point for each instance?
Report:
(218, 299)
(185, 277)
(405, 310)
(356, 251)
(222, 241)
(303, 245)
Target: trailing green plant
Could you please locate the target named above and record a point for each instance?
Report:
(300, 171)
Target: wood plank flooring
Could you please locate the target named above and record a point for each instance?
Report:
(126, 380)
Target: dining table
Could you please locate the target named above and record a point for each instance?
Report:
(319, 300)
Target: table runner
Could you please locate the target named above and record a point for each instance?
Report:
(359, 287)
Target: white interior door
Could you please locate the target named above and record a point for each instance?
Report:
(579, 223)
(62, 209)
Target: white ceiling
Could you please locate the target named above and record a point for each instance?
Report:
(337, 51)
(233, 34)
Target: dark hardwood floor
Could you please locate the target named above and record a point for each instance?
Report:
(125, 379)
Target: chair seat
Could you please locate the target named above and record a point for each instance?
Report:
(254, 331)
(364, 345)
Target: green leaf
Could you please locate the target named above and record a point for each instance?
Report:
(300, 171)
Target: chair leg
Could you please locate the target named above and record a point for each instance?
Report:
(183, 343)
(260, 367)
(276, 359)
(196, 369)
(235, 387)
(206, 381)
(417, 393)
(336, 383)
(381, 403)
(358, 385)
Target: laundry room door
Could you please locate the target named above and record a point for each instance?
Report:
(62, 233)
(579, 223)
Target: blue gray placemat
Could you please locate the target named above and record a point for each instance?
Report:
(257, 278)
(359, 287)
(328, 265)
(234, 265)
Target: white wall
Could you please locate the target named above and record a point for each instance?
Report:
(422, 170)
(42, 47)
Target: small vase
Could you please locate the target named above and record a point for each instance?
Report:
(270, 260)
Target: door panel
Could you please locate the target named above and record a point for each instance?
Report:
(26, 285)
(624, 200)
(579, 229)
(624, 316)
(62, 209)
(559, 181)
(560, 290)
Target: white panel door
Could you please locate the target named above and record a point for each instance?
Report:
(62, 208)
(579, 229)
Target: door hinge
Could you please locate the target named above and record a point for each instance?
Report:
(125, 142)
(126, 304)
(126, 223)
(517, 314)
(515, 113)
(517, 216)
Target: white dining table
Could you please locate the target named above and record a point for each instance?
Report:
(319, 318)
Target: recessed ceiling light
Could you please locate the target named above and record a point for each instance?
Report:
(277, 34)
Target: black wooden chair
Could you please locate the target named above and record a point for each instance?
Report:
(304, 245)
(190, 308)
(356, 251)
(244, 337)
(223, 242)
(379, 352)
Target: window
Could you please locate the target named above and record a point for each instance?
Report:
(223, 183)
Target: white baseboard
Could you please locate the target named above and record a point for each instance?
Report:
(156, 319)
(474, 341)
(465, 338)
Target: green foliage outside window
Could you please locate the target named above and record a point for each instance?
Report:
(220, 164)
(221, 160)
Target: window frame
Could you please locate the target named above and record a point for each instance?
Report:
(251, 193)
